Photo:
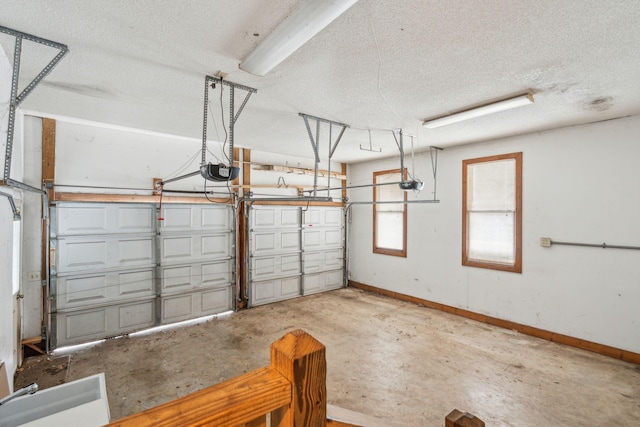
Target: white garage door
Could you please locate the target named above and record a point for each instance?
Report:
(323, 249)
(294, 251)
(115, 271)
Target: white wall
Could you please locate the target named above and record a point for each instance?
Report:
(580, 184)
(8, 326)
(8, 347)
(32, 229)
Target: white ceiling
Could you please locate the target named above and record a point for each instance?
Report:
(142, 64)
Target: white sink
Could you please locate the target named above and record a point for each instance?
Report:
(78, 403)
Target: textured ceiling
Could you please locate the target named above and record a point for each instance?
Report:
(382, 65)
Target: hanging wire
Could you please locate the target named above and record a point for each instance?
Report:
(412, 175)
(184, 166)
(375, 39)
(434, 168)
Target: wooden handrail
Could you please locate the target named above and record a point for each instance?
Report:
(292, 389)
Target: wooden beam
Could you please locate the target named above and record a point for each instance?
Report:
(300, 358)
(131, 198)
(238, 401)
(48, 176)
(236, 163)
(156, 182)
(241, 228)
(49, 153)
(298, 203)
(300, 171)
(616, 353)
(246, 169)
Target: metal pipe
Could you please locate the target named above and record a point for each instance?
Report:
(348, 187)
(180, 177)
(320, 119)
(286, 199)
(595, 245)
(14, 209)
(46, 283)
(404, 202)
(22, 186)
(30, 389)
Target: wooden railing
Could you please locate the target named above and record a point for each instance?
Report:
(292, 389)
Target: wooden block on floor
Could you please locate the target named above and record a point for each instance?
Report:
(462, 419)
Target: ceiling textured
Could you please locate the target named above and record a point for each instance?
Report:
(382, 65)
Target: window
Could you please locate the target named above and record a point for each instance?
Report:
(389, 219)
(492, 212)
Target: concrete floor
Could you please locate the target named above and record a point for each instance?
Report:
(386, 358)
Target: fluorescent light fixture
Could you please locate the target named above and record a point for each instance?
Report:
(297, 29)
(483, 110)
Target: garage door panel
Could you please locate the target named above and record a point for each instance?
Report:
(176, 248)
(82, 255)
(177, 218)
(134, 219)
(216, 300)
(215, 218)
(333, 237)
(324, 281)
(196, 218)
(334, 258)
(182, 278)
(179, 277)
(216, 273)
(268, 291)
(265, 217)
(134, 252)
(195, 248)
(275, 266)
(103, 288)
(216, 246)
(137, 283)
(324, 217)
(319, 238)
(73, 327)
(99, 253)
(82, 290)
(176, 308)
(323, 260)
(77, 219)
(267, 242)
(87, 323)
(74, 220)
(313, 261)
